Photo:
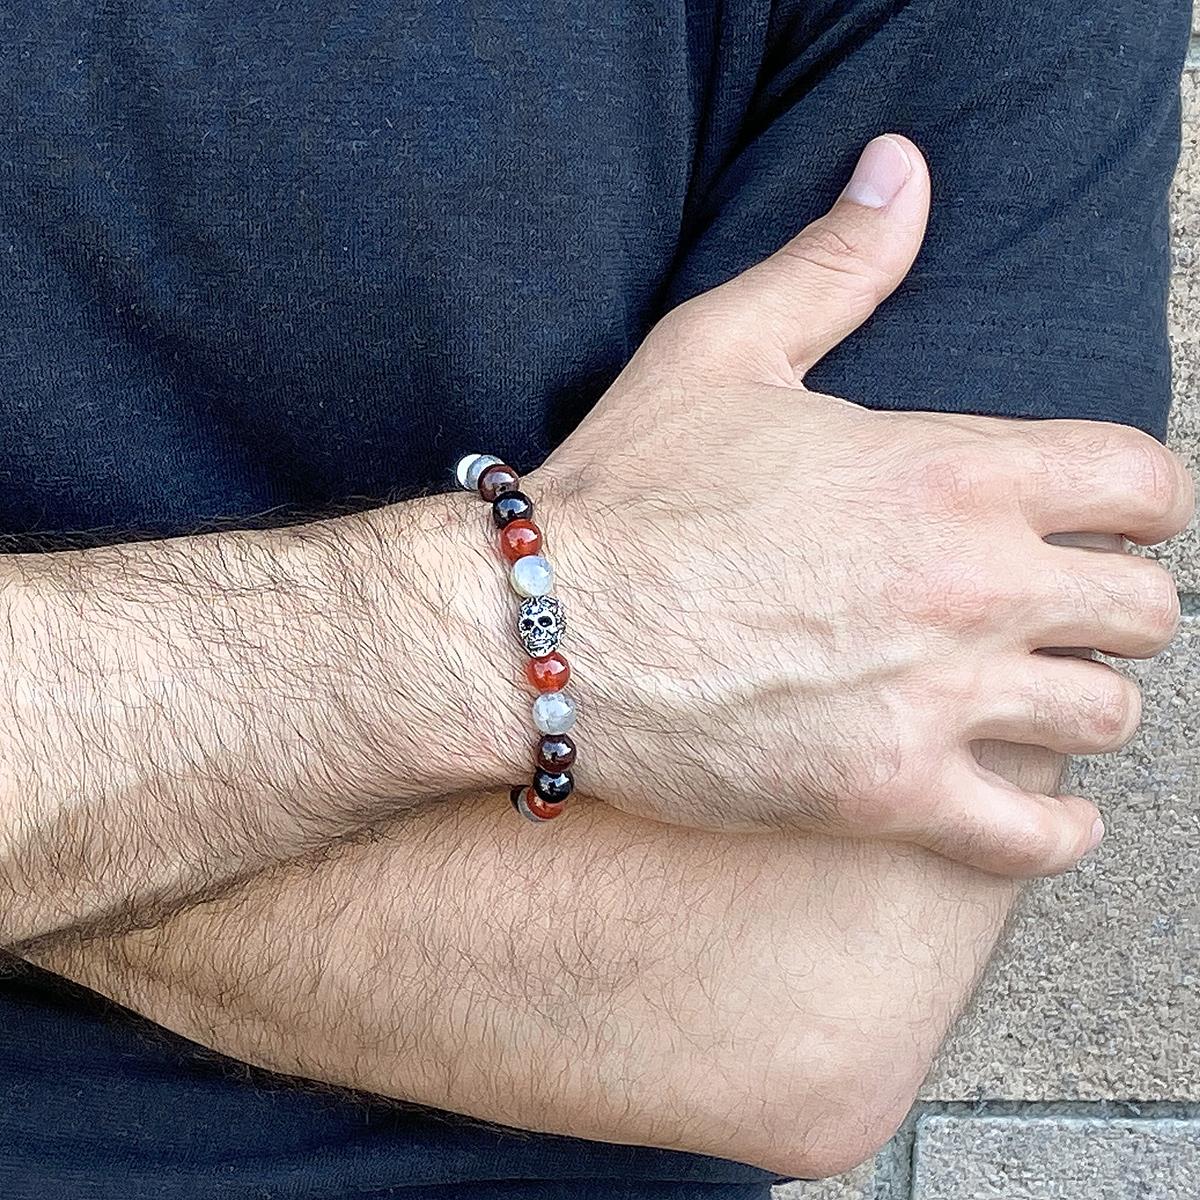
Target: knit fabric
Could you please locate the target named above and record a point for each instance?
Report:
(263, 261)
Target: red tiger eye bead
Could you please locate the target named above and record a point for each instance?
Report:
(542, 809)
(498, 479)
(531, 806)
(548, 674)
(555, 752)
(519, 538)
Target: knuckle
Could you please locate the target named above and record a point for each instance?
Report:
(882, 787)
(959, 481)
(1150, 470)
(1115, 712)
(948, 594)
(824, 250)
(683, 326)
(950, 484)
(708, 330)
(1159, 606)
(868, 1090)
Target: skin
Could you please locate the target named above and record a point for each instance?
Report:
(551, 984)
(231, 705)
(232, 701)
(874, 588)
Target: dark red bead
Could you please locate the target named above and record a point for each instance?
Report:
(548, 674)
(497, 480)
(519, 538)
(555, 752)
(512, 506)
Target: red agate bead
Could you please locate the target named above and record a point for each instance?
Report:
(519, 538)
(531, 806)
(548, 674)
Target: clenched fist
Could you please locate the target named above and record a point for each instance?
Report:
(788, 610)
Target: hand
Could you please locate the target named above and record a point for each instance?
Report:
(787, 610)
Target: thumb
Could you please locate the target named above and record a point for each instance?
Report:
(824, 283)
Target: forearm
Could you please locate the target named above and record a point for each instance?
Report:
(550, 983)
(175, 715)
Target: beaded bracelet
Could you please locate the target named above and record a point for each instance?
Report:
(541, 624)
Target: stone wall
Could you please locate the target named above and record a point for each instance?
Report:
(1076, 1075)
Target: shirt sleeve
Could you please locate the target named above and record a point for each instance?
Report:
(1052, 133)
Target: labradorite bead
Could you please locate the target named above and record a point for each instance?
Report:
(554, 712)
(532, 575)
(471, 467)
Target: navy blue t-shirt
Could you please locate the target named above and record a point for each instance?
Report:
(262, 260)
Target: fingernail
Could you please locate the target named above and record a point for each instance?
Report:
(1097, 836)
(882, 171)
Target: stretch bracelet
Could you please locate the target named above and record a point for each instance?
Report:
(540, 626)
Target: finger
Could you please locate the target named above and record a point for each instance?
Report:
(984, 821)
(822, 285)
(1095, 477)
(1068, 705)
(1122, 605)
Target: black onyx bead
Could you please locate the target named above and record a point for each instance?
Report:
(514, 796)
(555, 752)
(554, 789)
(498, 480)
(512, 506)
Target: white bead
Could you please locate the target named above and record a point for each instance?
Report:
(532, 576)
(554, 712)
(477, 468)
(464, 465)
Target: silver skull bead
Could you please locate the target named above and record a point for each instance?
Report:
(540, 625)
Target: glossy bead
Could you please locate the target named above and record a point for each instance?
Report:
(542, 810)
(554, 712)
(471, 467)
(555, 752)
(532, 807)
(548, 674)
(554, 788)
(498, 479)
(532, 576)
(512, 506)
(462, 467)
(519, 538)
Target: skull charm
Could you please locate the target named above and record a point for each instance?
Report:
(540, 625)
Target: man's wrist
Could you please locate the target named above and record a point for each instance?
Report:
(453, 662)
(183, 713)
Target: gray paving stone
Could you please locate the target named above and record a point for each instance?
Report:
(1183, 555)
(858, 1185)
(1096, 994)
(1018, 1158)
